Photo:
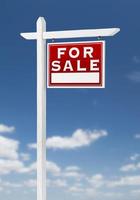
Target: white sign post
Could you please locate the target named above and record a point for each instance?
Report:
(41, 36)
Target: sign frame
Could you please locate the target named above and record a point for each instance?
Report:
(76, 85)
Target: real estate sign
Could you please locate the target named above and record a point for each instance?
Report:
(76, 65)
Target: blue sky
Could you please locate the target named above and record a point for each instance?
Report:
(99, 131)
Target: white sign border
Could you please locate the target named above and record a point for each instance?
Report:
(81, 42)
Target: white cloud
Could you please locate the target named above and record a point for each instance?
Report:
(113, 195)
(137, 136)
(125, 181)
(6, 129)
(134, 76)
(8, 148)
(55, 170)
(135, 192)
(92, 192)
(73, 174)
(8, 166)
(72, 171)
(70, 176)
(8, 184)
(31, 183)
(130, 167)
(58, 183)
(95, 193)
(32, 146)
(72, 168)
(136, 59)
(28, 169)
(25, 156)
(51, 167)
(79, 138)
(76, 189)
(99, 181)
(135, 157)
(96, 180)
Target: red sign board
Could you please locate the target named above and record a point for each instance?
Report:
(76, 65)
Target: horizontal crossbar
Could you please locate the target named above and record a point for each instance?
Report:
(73, 33)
